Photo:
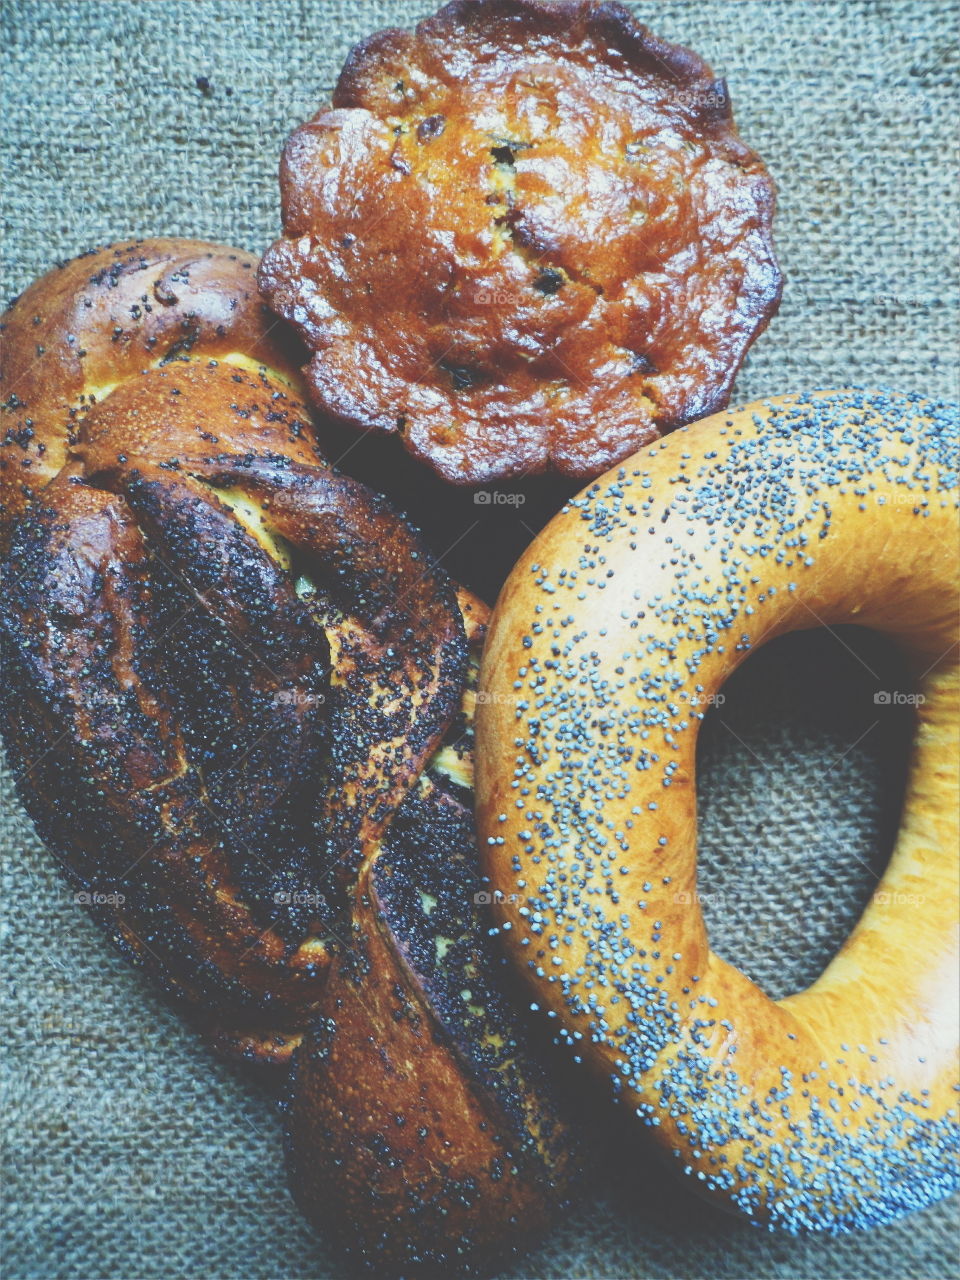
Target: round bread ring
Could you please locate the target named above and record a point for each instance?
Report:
(836, 1107)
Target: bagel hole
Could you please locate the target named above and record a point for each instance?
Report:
(801, 768)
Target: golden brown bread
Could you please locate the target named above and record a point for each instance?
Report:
(836, 1107)
(526, 237)
(237, 699)
(99, 320)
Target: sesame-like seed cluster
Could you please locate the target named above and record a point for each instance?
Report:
(839, 1144)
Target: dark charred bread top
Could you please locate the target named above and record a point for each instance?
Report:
(214, 643)
(526, 237)
(237, 699)
(466, 1115)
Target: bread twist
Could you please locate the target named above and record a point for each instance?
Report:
(238, 705)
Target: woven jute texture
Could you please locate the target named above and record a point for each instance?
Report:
(130, 1152)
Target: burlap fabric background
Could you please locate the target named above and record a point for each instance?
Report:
(130, 1152)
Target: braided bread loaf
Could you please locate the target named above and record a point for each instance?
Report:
(238, 704)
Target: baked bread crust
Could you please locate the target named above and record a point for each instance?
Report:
(238, 701)
(837, 1107)
(526, 237)
(100, 318)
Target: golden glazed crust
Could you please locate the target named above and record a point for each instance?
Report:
(836, 1107)
(101, 318)
(526, 237)
(238, 701)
